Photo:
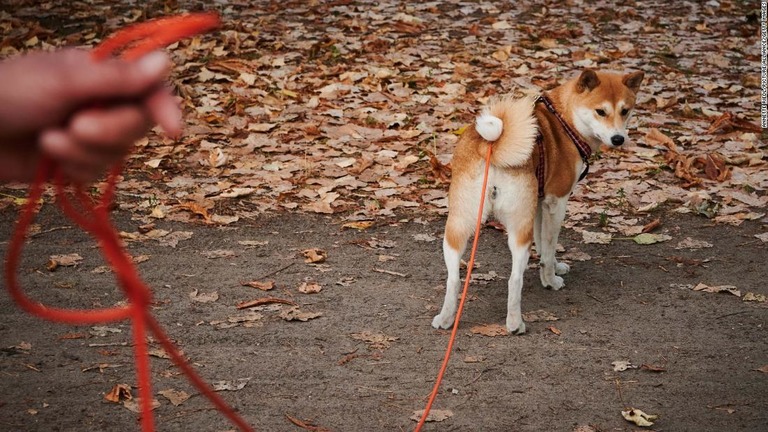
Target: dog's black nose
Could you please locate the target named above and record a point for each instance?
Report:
(617, 140)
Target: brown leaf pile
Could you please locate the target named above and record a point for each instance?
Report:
(331, 108)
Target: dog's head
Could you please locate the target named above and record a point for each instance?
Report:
(602, 105)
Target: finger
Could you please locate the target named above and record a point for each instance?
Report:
(63, 148)
(165, 110)
(78, 165)
(82, 79)
(110, 131)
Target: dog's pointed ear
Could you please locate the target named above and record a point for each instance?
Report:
(633, 80)
(587, 81)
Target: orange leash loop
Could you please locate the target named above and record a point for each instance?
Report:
(471, 264)
(134, 42)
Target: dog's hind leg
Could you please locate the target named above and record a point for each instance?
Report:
(551, 215)
(520, 245)
(457, 232)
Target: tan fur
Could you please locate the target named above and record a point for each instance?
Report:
(512, 194)
(515, 145)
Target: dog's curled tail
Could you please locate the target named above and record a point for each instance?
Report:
(510, 127)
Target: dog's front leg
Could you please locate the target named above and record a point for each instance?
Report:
(549, 219)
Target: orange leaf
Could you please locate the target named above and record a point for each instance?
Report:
(652, 225)
(554, 330)
(491, 330)
(314, 255)
(119, 393)
(197, 209)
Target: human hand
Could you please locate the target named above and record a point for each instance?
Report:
(81, 113)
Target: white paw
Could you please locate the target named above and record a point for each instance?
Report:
(555, 283)
(515, 328)
(562, 268)
(442, 322)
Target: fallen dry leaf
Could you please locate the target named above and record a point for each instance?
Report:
(66, 336)
(755, 297)
(424, 237)
(230, 385)
(730, 289)
(310, 288)
(622, 365)
(176, 397)
(24, 346)
(729, 122)
(690, 243)
(652, 368)
(68, 260)
(203, 297)
(491, 330)
(314, 256)
(253, 243)
(638, 417)
(295, 314)
(219, 253)
(196, 208)
(596, 237)
(249, 319)
(652, 225)
(119, 392)
(359, 225)
(159, 353)
(138, 259)
(763, 369)
(538, 316)
(434, 415)
(575, 254)
(262, 301)
(648, 238)
(375, 341)
(306, 425)
(264, 286)
(554, 330)
(134, 404)
(103, 330)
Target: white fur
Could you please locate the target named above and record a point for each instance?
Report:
(518, 134)
(504, 200)
(511, 197)
(549, 218)
(488, 126)
(596, 132)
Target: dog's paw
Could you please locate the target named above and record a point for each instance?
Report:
(555, 283)
(442, 322)
(562, 268)
(516, 328)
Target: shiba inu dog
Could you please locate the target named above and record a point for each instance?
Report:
(540, 150)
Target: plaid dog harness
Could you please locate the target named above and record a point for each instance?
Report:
(585, 151)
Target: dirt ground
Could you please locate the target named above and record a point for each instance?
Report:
(620, 304)
(370, 359)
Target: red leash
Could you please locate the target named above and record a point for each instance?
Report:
(134, 42)
(467, 279)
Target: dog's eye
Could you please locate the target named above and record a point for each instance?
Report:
(624, 112)
(600, 112)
